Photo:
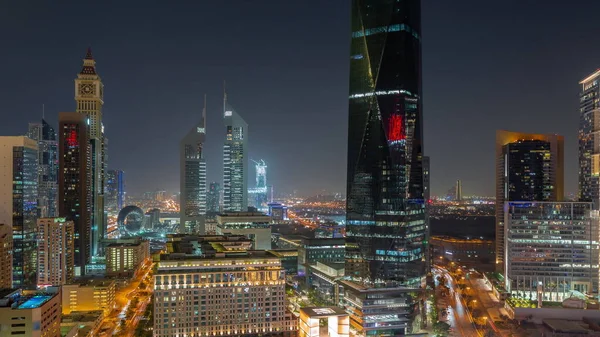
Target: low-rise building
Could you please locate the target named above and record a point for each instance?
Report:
(254, 225)
(34, 314)
(323, 278)
(124, 259)
(89, 295)
(87, 322)
(6, 256)
(312, 251)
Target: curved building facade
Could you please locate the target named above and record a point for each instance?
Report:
(130, 221)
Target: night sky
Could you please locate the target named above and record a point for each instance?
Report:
(487, 65)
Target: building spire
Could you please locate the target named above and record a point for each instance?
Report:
(88, 54)
(204, 114)
(89, 64)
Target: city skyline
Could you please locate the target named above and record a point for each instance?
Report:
(172, 96)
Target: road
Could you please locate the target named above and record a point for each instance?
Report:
(459, 318)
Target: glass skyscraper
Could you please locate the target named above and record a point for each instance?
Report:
(115, 190)
(589, 142)
(193, 178)
(235, 161)
(46, 137)
(385, 223)
(213, 198)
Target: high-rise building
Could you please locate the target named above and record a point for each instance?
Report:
(125, 259)
(46, 137)
(115, 190)
(6, 256)
(589, 142)
(221, 292)
(18, 204)
(235, 161)
(29, 314)
(458, 191)
(385, 212)
(213, 199)
(192, 165)
(529, 167)
(553, 249)
(55, 250)
(89, 96)
(258, 195)
(74, 182)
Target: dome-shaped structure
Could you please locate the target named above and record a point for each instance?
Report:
(130, 221)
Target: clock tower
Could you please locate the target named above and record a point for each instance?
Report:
(89, 96)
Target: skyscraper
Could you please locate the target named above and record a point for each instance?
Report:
(46, 138)
(75, 181)
(18, 204)
(6, 256)
(589, 142)
(115, 190)
(235, 161)
(55, 251)
(89, 95)
(213, 197)
(192, 177)
(257, 196)
(529, 167)
(385, 213)
(458, 191)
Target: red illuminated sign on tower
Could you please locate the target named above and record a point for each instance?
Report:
(395, 129)
(72, 139)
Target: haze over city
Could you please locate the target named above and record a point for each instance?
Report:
(486, 66)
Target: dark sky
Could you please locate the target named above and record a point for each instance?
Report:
(486, 65)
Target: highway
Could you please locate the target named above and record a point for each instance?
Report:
(460, 319)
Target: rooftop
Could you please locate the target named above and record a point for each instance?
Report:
(562, 325)
(315, 312)
(96, 282)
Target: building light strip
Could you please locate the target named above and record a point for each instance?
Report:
(381, 93)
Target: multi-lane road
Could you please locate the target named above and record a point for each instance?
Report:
(459, 317)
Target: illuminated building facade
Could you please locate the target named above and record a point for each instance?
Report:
(213, 199)
(255, 226)
(89, 96)
(193, 178)
(89, 295)
(385, 212)
(6, 256)
(74, 182)
(458, 191)
(589, 140)
(338, 323)
(554, 245)
(232, 292)
(55, 250)
(18, 204)
(29, 314)
(235, 161)
(124, 259)
(115, 190)
(278, 212)
(258, 195)
(529, 167)
(46, 137)
(312, 251)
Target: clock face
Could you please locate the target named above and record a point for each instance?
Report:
(86, 89)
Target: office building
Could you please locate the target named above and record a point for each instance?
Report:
(278, 212)
(312, 251)
(46, 138)
(74, 182)
(6, 256)
(29, 314)
(228, 292)
(235, 161)
(213, 199)
(589, 142)
(55, 251)
(18, 204)
(89, 96)
(473, 253)
(458, 191)
(253, 225)
(152, 219)
(338, 322)
(89, 295)
(125, 259)
(115, 190)
(385, 212)
(528, 167)
(258, 195)
(322, 279)
(193, 178)
(553, 249)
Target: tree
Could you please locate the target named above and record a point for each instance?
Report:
(441, 328)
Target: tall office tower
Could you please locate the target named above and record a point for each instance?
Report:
(45, 135)
(458, 191)
(589, 140)
(6, 256)
(89, 95)
(75, 181)
(230, 292)
(18, 204)
(385, 213)
(114, 192)
(192, 178)
(258, 195)
(235, 161)
(553, 246)
(529, 167)
(213, 198)
(55, 238)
